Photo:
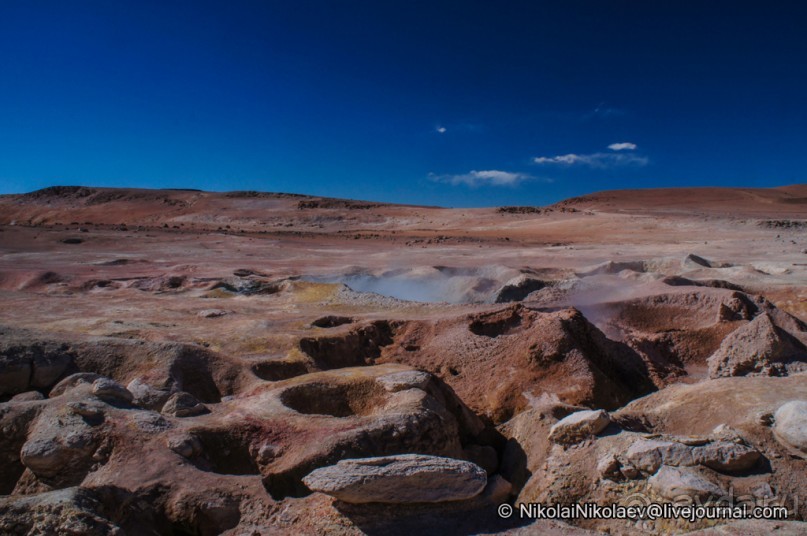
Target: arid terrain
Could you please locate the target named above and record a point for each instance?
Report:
(187, 362)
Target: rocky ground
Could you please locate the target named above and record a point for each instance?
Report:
(185, 362)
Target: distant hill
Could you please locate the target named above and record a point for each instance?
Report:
(789, 201)
(251, 210)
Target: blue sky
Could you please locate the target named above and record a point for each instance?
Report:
(463, 103)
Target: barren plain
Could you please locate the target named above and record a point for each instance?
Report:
(188, 362)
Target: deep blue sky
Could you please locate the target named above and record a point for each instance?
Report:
(428, 102)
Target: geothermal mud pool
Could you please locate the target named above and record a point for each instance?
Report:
(182, 362)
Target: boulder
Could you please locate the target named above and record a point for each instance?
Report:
(147, 396)
(111, 391)
(608, 467)
(579, 426)
(65, 511)
(758, 347)
(211, 313)
(647, 455)
(675, 483)
(27, 396)
(185, 445)
(71, 381)
(727, 456)
(407, 478)
(790, 425)
(183, 405)
(149, 422)
(60, 449)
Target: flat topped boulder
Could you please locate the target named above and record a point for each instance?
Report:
(790, 425)
(647, 455)
(110, 390)
(406, 478)
(675, 483)
(579, 426)
(182, 404)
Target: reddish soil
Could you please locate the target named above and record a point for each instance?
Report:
(257, 304)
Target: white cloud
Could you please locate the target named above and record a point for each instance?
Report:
(570, 158)
(594, 160)
(490, 177)
(623, 146)
(441, 130)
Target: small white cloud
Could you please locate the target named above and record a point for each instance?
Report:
(623, 146)
(441, 130)
(490, 177)
(594, 160)
(568, 159)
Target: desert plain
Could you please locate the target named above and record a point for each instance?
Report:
(190, 362)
